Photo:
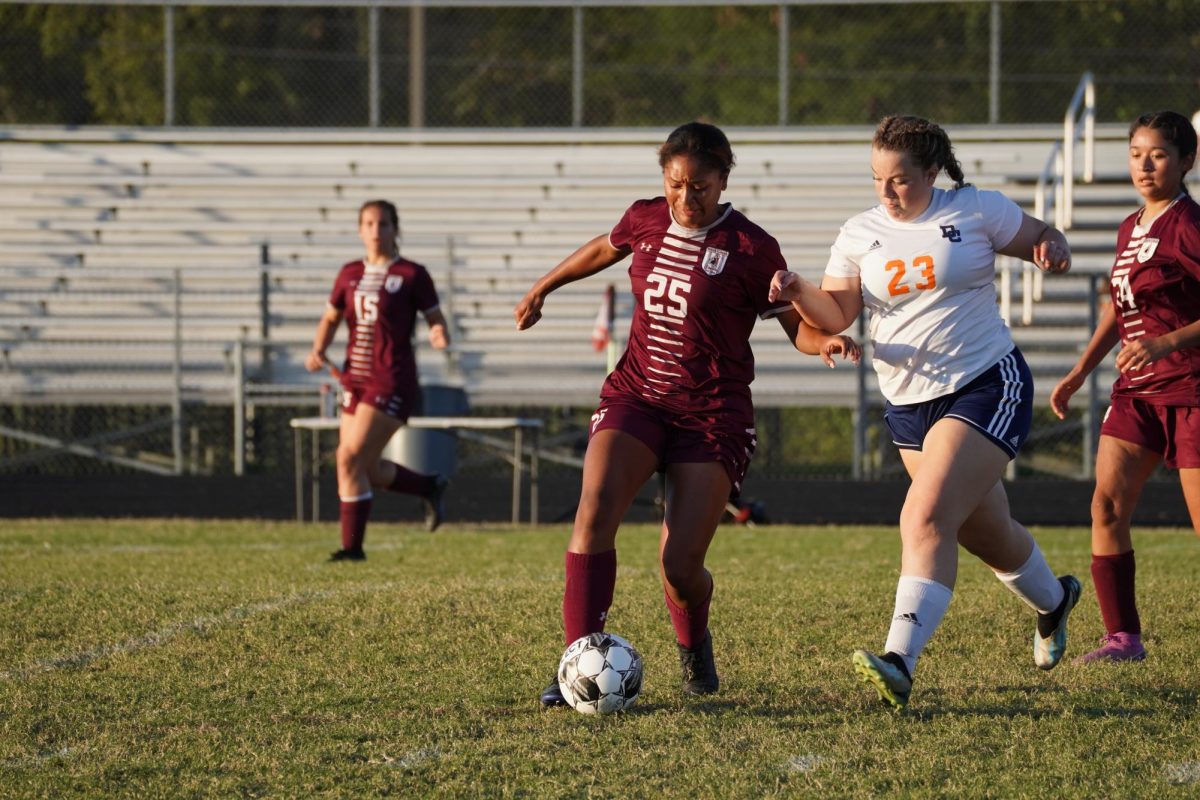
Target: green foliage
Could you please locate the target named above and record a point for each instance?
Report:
(642, 66)
(156, 658)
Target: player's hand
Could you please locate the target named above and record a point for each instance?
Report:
(314, 361)
(847, 347)
(785, 286)
(1060, 395)
(439, 337)
(1140, 353)
(1052, 256)
(528, 311)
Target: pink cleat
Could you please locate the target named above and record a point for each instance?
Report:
(1117, 647)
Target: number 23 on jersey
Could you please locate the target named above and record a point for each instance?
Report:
(900, 283)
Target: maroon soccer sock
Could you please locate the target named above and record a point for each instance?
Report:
(408, 482)
(691, 624)
(353, 515)
(588, 593)
(1113, 577)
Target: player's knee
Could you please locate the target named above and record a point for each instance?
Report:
(681, 568)
(1108, 511)
(349, 460)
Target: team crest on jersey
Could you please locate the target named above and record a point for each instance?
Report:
(393, 283)
(1147, 250)
(714, 261)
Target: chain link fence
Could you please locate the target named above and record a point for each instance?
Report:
(506, 65)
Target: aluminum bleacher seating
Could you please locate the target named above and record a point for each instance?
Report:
(94, 226)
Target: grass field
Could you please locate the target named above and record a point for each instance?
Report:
(154, 658)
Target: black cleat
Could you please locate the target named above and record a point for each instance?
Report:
(434, 506)
(552, 695)
(347, 555)
(699, 671)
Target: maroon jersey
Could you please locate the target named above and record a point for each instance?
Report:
(1156, 290)
(380, 306)
(697, 294)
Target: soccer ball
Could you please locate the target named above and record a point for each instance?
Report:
(600, 673)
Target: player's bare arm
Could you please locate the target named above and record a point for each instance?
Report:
(1138, 353)
(1043, 244)
(1103, 340)
(589, 259)
(326, 328)
(815, 342)
(439, 330)
(832, 306)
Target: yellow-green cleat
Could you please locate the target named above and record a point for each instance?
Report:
(889, 680)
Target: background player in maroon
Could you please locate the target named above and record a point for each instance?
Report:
(379, 297)
(1155, 411)
(679, 399)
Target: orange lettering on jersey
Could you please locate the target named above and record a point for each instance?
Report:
(895, 287)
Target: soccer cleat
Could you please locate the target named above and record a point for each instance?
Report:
(434, 506)
(1050, 636)
(1118, 646)
(347, 555)
(552, 695)
(892, 683)
(698, 669)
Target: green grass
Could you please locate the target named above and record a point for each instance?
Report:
(152, 658)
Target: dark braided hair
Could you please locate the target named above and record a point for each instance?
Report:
(924, 141)
(706, 143)
(1175, 128)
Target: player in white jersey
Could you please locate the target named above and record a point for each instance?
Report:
(959, 394)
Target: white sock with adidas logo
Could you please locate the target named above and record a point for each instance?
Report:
(920, 605)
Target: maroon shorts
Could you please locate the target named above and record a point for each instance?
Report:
(681, 438)
(1171, 431)
(396, 406)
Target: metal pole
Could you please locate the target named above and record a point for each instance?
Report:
(373, 66)
(577, 67)
(177, 374)
(994, 67)
(860, 406)
(518, 466)
(784, 71)
(239, 407)
(416, 67)
(1091, 412)
(533, 477)
(168, 65)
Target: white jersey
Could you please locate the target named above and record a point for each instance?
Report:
(929, 285)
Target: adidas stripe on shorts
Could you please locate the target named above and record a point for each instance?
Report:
(998, 403)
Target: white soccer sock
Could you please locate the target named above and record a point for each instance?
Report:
(920, 606)
(1034, 583)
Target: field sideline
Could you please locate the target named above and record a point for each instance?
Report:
(168, 658)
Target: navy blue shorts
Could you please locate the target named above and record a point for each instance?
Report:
(999, 404)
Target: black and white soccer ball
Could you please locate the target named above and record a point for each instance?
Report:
(600, 673)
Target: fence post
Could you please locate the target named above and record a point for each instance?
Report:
(784, 71)
(994, 66)
(373, 66)
(264, 312)
(239, 407)
(1091, 413)
(416, 66)
(577, 67)
(177, 374)
(860, 405)
(168, 65)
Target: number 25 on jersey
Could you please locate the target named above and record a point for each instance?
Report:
(898, 285)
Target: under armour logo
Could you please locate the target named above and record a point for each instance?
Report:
(909, 617)
(603, 616)
(645, 247)
(950, 232)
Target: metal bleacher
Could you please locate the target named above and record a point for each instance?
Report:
(95, 226)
